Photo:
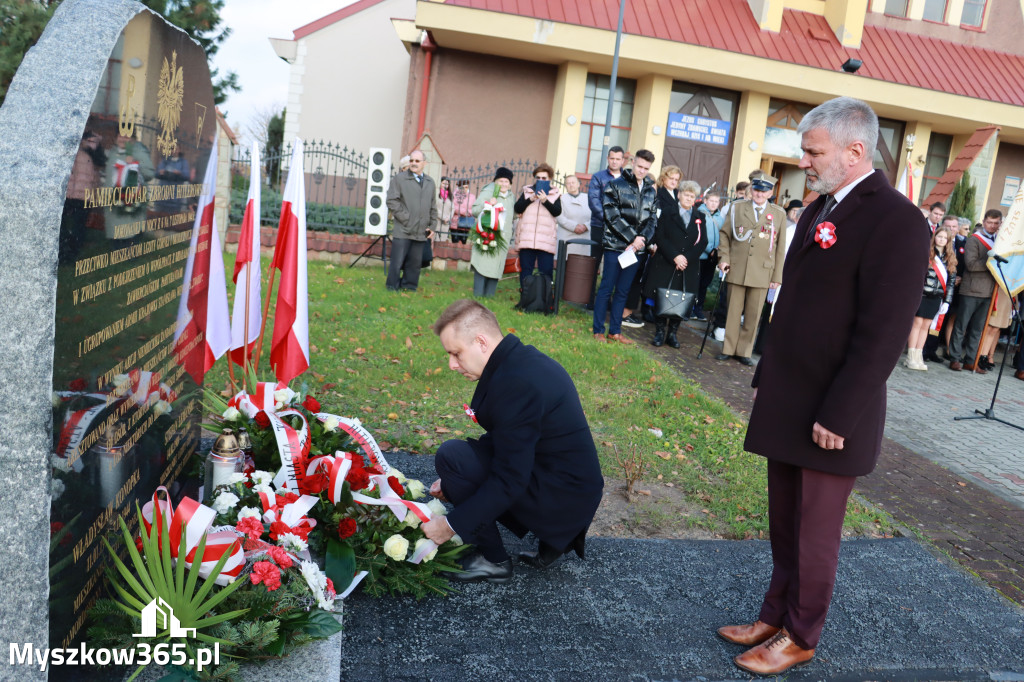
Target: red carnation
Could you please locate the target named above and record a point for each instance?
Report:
(346, 528)
(78, 385)
(311, 404)
(279, 528)
(280, 557)
(396, 486)
(331, 592)
(288, 498)
(138, 545)
(250, 526)
(266, 573)
(261, 419)
(358, 479)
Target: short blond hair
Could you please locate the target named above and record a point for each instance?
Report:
(469, 316)
(667, 171)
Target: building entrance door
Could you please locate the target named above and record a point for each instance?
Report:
(699, 133)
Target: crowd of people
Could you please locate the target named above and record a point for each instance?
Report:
(660, 244)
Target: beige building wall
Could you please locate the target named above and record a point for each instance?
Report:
(347, 83)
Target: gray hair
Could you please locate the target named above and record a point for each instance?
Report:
(689, 186)
(963, 221)
(847, 120)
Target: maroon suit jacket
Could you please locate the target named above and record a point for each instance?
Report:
(840, 325)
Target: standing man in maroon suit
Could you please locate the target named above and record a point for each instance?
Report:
(839, 327)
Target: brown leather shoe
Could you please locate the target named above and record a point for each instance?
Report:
(747, 635)
(955, 366)
(600, 338)
(777, 655)
(970, 367)
(621, 339)
(1020, 374)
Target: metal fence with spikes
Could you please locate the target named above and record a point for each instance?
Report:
(336, 183)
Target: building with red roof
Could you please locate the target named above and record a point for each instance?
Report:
(718, 87)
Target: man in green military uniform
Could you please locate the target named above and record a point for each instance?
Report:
(752, 250)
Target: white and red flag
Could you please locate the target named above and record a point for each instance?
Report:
(203, 332)
(906, 183)
(289, 349)
(246, 312)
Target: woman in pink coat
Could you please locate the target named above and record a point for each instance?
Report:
(536, 235)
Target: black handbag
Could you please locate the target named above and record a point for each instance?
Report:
(672, 303)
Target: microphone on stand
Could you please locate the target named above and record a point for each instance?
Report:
(997, 257)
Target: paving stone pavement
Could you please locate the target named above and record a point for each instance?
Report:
(960, 484)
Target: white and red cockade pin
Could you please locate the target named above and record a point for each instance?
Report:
(825, 235)
(470, 412)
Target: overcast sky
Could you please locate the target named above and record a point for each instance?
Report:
(261, 73)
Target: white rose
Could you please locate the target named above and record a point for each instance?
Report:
(225, 502)
(399, 475)
(246, 512)
(396, 547)
(284, 395)
(420, 543)
(261, 477)
(456, 540)
(411, 519)
(162, 407)
(436, 508)
(331, 423)
(231, 414)
(292, 542)
(415, 488)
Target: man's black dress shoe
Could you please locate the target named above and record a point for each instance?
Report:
(546, 554)
(722, 356)
(932, 357)
(745, 361)
(475, 568)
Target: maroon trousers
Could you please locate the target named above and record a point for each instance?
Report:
(806, 509)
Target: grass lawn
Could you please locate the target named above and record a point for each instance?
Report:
(374, 356)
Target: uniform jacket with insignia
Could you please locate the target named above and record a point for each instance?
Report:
(755, 259)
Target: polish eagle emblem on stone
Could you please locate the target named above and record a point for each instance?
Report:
(170, 95)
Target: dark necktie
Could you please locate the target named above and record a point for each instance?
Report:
(826, 208)
(419, 179)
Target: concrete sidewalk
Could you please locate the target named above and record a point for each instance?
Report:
(648, 610)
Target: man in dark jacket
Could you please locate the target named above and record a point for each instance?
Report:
(412, 200)
(535, 469)
(840, 325)
(595, 197)
(630, 216)
(975, 295)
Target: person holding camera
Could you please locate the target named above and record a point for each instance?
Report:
(537, 236)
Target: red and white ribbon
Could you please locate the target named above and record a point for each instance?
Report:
(336, 468)
(263, 399)
(292, 447)
(194, 520)
(362, 437)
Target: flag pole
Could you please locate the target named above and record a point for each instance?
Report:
(263, 323)
(245, 339)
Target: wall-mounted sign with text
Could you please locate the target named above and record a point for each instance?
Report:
(698, 128)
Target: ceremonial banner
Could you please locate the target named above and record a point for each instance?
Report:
(906, 184)
(1010, 245)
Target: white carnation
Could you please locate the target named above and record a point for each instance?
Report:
(436, 508)
(317, 582)
(55, 399)
(292, 542)
(235, 477)
(231, 414)
(261, 477)
(246, 512)
(225, 502)
(262, 488)
(57, 488)
(121, 382)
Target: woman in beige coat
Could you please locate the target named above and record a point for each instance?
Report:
(489, 266)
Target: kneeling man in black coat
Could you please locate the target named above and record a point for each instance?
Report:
(534, 470)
